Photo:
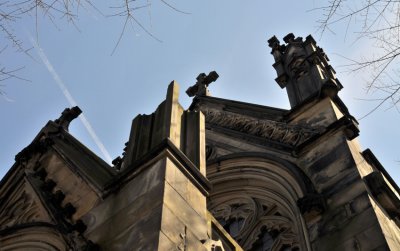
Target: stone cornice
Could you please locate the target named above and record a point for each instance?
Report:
(165, 148)
(281, 132)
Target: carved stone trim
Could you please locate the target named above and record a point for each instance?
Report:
(37, 237)
(71, 230)
(284, 133)
(37, 146)
(20, 208)
(246, 218)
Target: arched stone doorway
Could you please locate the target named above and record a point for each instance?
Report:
(255, 196)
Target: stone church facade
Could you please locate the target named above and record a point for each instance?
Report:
(221, 175)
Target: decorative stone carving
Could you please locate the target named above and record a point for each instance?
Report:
(37, 146)
(43, 237)
(303, 69)
(67, 116)
(291, 135)
(249, 221)
(45, 139)
(203, 81)
(20, 208)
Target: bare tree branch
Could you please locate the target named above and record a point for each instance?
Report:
(174, 8)
(58, 11)
(377, 21)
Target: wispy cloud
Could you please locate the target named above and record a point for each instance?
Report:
(70, 99)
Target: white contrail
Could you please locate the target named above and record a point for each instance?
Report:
(70, 99)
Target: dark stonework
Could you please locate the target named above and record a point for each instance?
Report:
(67, 116)
(203, 80)
(311, 205)
(222, 175)
(303, 68)
(37, 146)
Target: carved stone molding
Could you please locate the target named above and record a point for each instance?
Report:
(20, 208)
(291, 135)
(255, 224)
(34, 238)
(37, 146)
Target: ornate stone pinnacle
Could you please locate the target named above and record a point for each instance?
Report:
(303, 69)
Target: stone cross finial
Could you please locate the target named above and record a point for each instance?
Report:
(203, 80)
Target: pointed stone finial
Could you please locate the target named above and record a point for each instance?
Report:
(203, 80)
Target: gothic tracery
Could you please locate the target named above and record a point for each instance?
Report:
(255, 202)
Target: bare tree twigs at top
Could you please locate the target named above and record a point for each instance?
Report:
(64, 11)
(378, 22)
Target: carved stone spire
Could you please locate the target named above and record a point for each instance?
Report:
(302, 67)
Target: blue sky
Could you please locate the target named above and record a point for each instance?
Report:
(227, 36)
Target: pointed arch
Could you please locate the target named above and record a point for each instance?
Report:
(37, 236)
(255, 195)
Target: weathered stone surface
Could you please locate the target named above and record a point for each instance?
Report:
(139, 233)
(75, 189)
(179, 233)
(175, 216)
(133, 217)
(203, 81)
(303, 68)
(342, 231)
(165, 244)
(180, 183)
(136, 194)
(34, 238)
(276, 179)
(67, 116)
(319, 116)
(290, 134)
(389, 228)
(185, 212)
(22, 207)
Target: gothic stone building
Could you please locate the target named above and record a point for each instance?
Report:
(221, 175)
